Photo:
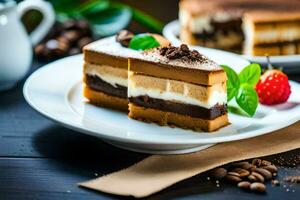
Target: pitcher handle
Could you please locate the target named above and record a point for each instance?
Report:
(48, 18)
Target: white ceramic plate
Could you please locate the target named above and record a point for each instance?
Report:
(289, 63)
(55, 91)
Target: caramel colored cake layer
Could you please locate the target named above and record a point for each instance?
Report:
(102, 99)
(170, 118)
(253, 27)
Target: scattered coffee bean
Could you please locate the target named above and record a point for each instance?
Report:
(232, 178)
(64, 39)
(258, 187)
(270, 168)
(218, 173)
(252, 168)
(292, 179)
(252, 178)
(265, 173)
(244, 185)
(234, 174)
(84, 41)
(256, 162)
(124, 37)
(241, 172)
(258, 177)
(275, 182)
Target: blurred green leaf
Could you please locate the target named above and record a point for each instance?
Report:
(143, 42)
(110, 20)
(106, 17)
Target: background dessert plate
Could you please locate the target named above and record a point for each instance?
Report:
(290, 63)
(55, 91)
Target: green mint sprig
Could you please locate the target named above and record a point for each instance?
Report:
(143, 42)
(241, 87)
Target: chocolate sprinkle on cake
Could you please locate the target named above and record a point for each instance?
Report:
(183, 52)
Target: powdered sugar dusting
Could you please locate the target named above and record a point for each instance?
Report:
(111, 47)
(204, 63)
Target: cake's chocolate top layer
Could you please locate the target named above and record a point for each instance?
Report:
(180, 108)
(178, 63)
(96, 83)
(237, 7)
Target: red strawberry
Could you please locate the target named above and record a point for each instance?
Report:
(273, 87)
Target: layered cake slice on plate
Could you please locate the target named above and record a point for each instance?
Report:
(177, 86)
(106, 70)
(252, 27)
(105, 73)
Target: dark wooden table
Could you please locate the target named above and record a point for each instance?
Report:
(41, 160)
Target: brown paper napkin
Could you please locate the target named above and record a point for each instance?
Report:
(158, 172)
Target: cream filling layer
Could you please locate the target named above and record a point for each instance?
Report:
(213, 98)
(112, 75)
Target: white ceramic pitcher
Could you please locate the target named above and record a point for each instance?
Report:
(15, 44)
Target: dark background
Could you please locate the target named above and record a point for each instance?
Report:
(41, 160)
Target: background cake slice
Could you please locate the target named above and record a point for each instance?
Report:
(106, 70)
(252, 27)
(176, 86)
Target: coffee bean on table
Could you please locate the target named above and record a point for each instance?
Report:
(271, 168)
(275, 182)
(72, 35)
(258, 176)
(74, 51)
(241, 172)
(233, 178)
(84, 41)
(234, 174)
(218, 173)
(265, 173)
(258, 187)
(252, 178)
(244, 184)
(256, 162)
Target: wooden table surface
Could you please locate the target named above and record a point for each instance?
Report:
(39, 159)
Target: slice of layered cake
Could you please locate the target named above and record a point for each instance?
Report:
(252, 27)
(106, 70)
(177, 86)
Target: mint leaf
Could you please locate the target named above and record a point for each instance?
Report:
(233, 82)
(143, 42)
(247, 98)
(250, 74)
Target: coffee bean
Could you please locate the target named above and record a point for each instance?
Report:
(275, 182)
(241, 172)
(244, 185)
(257, 187)
(72, 35)
(271, 168)
(233, 174)
(252, 178)
(258, 177)
(252, 168)
(124, 37)
(243, 165)
(84, 41)
(232, 178)
(218, 173)
(265, 163)
(69, 24)
(256, 162)
(74, 51)
(266, 174)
